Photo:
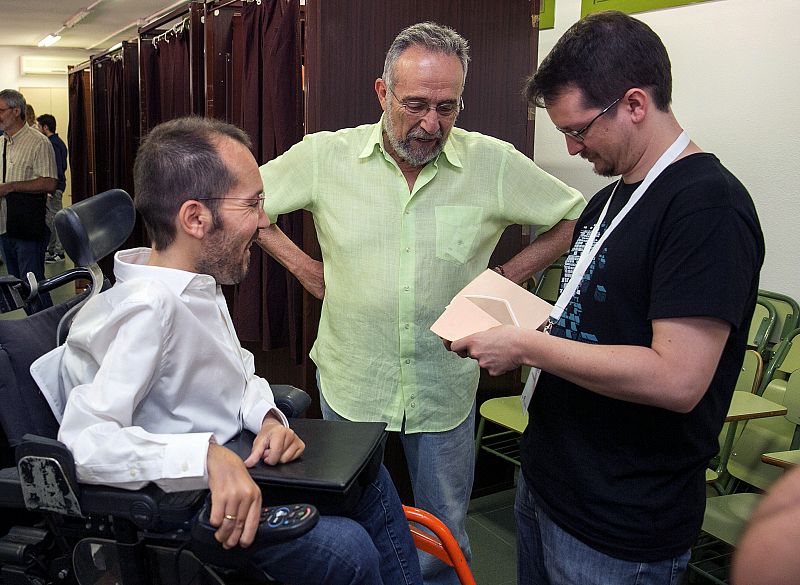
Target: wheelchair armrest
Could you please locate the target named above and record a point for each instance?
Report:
(47, 476)
(45, 480)
(291, 401)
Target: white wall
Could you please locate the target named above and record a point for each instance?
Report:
(11, 78)
(736, 90)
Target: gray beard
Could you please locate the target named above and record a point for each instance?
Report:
(403, 147)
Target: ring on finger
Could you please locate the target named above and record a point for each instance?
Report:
(230, 517)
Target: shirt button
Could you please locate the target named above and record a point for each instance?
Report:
(406, 288)
(406, 326)
(408, 250)
(413, 405)
(133, 473)
(408, 361)
(184, 467)
(412, 397)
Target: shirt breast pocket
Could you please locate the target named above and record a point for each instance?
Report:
(457, 228)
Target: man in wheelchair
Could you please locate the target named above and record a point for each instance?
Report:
(152, 380)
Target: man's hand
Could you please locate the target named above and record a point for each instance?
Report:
(235, 498)
(275, 444)
(5, 189)
(495, 350)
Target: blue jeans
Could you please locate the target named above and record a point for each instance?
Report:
(441, 466)
(54, 205)
(372, 545)
(548, 555)
(23, 256)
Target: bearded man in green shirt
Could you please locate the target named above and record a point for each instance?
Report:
(407, 212)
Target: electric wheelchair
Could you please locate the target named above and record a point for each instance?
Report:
(55, 530)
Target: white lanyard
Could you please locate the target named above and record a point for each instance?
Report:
(591, 247)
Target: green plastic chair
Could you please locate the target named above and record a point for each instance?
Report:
(748, 381)
(761, 326)
(785, 359)
(726, 516)
(549, 282)
(787, 315)
(505, 411)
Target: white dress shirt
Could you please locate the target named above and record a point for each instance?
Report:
(152, 370)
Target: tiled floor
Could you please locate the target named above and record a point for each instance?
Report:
(492, 533)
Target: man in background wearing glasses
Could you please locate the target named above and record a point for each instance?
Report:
(643, 356)
(407, 212)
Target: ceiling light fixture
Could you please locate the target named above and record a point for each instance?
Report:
(49, 40)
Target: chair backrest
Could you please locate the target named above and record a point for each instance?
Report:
(785, 359)
(788, 314)
(761, 325)
(550, 281)
(750, 374)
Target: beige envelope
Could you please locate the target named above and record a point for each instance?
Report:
(488, 301)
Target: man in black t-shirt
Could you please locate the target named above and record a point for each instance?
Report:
(639, 368)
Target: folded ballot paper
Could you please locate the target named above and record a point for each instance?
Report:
(488, 301)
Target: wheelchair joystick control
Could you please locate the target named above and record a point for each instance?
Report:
(277, 524)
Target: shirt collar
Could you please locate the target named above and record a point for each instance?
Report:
(18, 134)
(375, 143)
(130, 264)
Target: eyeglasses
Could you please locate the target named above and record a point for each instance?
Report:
(254, 204)
(421, 108)
(580, 134)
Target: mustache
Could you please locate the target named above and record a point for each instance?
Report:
(418, 132)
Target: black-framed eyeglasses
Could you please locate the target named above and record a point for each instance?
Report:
(421, 108)
(579, 135)
(256, 203)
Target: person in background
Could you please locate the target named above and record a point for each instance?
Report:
(47, 126)
(28, 174)
(647, 339)
(30, 115)
(407, 211)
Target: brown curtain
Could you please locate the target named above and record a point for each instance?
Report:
(109, 122)
(165, 77)
(268, 304)
(80, 137)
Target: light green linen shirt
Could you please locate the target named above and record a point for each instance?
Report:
(393, 260)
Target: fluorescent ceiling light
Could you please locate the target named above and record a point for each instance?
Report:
(49, 40)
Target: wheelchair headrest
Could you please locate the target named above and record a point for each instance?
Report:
(95, 227)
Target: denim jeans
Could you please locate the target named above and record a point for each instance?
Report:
(23, 256)
(372, 545)
(441, 466)
(548, 555)
(54, 205)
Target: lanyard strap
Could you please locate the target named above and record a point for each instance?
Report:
(591, 247)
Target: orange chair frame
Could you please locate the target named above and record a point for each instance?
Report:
(441, 544)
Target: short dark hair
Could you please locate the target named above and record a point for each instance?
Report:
(47, 120)
(604, 55)
(14, 99)
(178, 161)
